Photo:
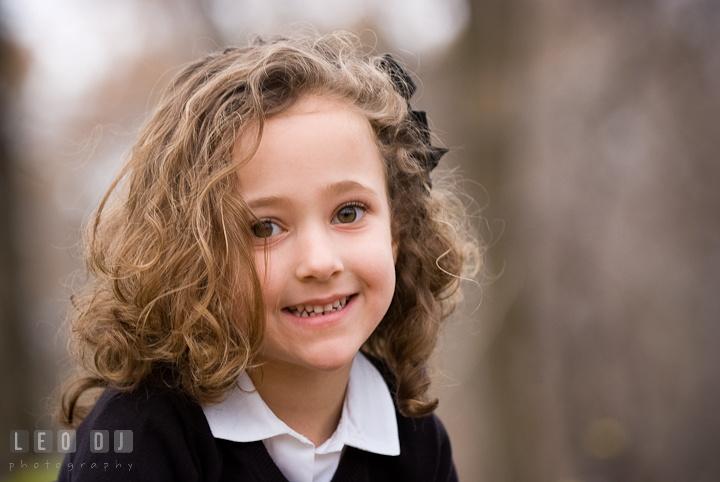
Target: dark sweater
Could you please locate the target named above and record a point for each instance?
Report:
(172, 441)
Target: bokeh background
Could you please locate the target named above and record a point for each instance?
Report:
(586, 131)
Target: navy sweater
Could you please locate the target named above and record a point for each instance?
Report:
(172, 441)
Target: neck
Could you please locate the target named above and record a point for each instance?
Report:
(308, 401)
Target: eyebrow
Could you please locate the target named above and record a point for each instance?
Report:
(335, 189)
(347, 186)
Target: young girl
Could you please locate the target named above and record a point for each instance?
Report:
(271, 271)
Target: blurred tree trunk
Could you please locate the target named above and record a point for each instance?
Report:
(596, 136)
(14, 359)
(473, 91)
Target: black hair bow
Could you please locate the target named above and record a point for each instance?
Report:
(429, 154)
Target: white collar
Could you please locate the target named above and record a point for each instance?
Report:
(368, 421)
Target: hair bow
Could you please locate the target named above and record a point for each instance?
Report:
(430, 155)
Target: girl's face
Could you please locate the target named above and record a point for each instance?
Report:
(318, 186)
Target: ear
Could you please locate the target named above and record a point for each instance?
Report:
(395, 251)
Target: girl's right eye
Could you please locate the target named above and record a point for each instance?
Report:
(265, 229)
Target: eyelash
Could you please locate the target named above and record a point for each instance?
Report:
(357, 204)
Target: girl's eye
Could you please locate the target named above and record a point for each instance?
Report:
(265, 229)
(349, 214)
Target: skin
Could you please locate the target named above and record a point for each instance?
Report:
(318, 186)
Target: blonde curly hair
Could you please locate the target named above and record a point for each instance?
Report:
(169, 248)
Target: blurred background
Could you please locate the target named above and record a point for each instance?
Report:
(586, 131)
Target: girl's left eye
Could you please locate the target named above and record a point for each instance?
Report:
(348, 214)
(265, 229)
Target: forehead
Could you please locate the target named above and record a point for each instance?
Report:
(318, 142)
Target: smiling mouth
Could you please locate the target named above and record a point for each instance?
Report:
(308, 311)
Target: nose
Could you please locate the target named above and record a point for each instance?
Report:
(318, 255)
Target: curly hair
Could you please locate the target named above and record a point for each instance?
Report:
(169, 247)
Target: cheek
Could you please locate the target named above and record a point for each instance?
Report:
(382, 294)
(274, 272)
(389, 280)
(377, 267)
(270, 279)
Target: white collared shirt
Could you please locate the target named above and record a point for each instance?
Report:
(368, 422)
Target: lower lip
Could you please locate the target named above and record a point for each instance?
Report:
(322, 320)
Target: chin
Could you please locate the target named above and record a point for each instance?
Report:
(330, 362)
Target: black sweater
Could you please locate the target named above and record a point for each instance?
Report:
(172, 441)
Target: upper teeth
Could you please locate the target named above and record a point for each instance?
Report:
(315, 310)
